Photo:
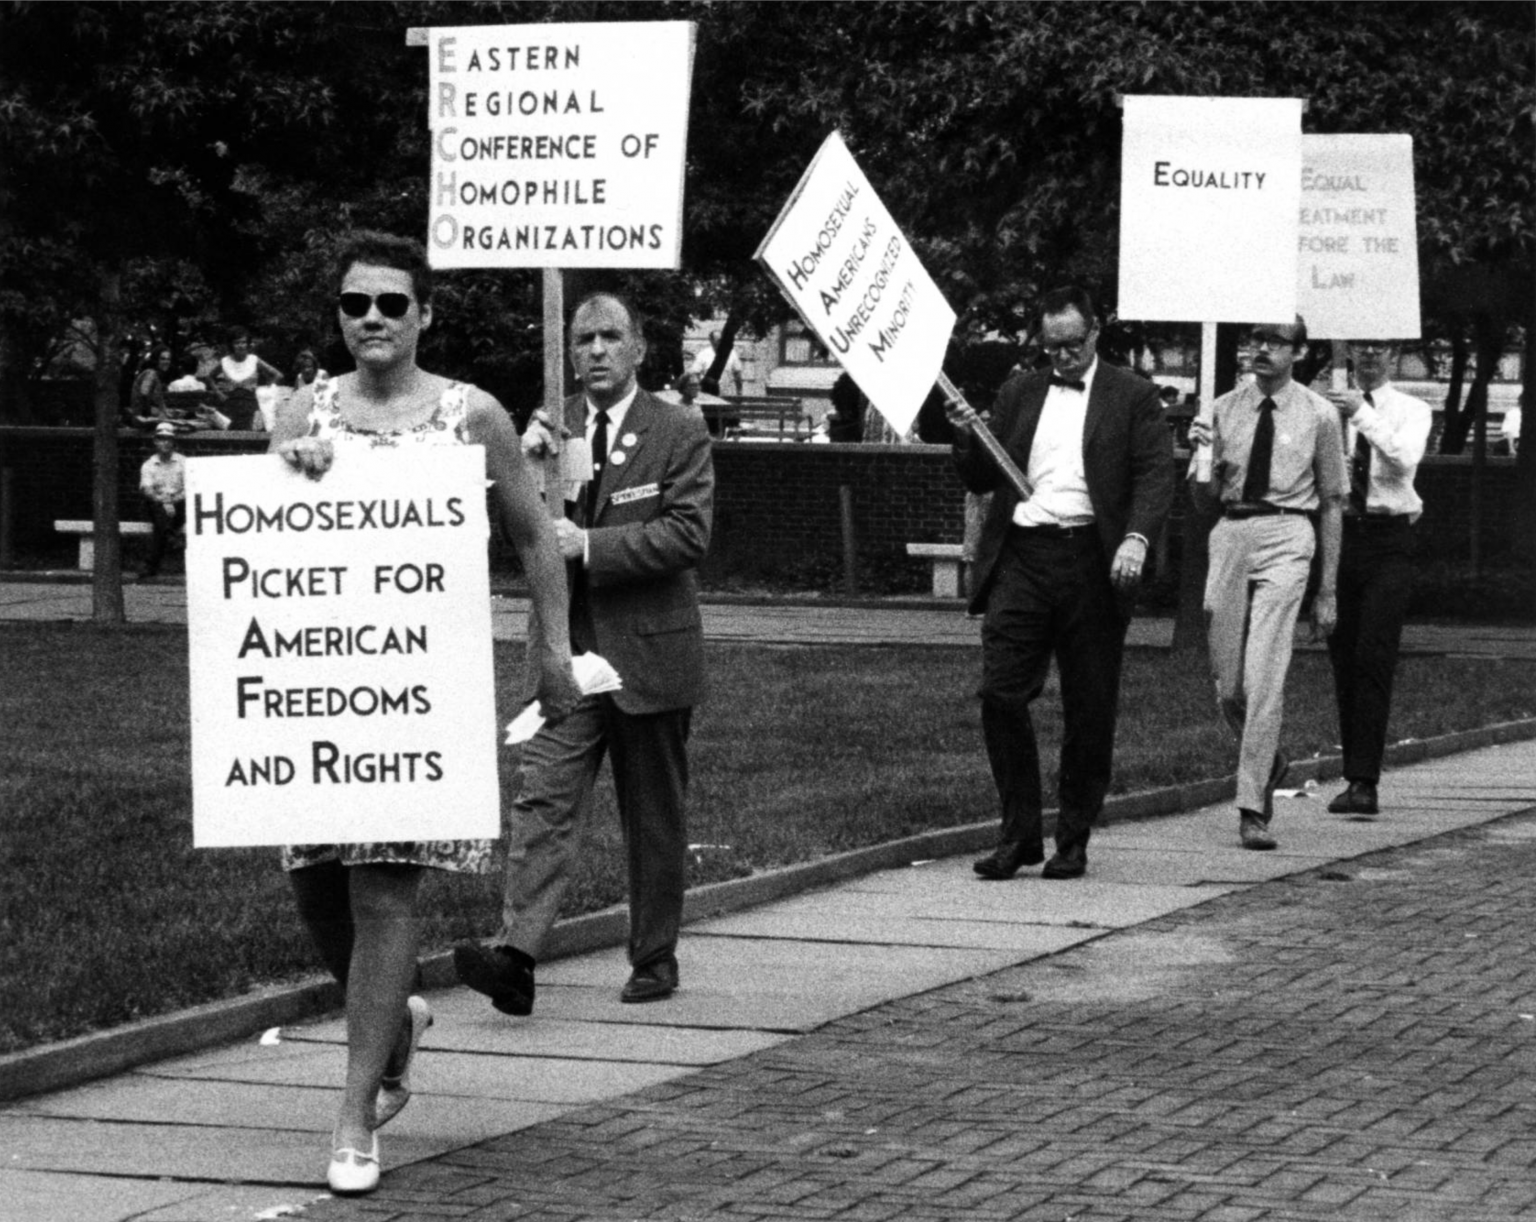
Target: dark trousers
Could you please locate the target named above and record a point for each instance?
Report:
(1051, 597)
(1375, 581)
(164, 522)
(649, 756)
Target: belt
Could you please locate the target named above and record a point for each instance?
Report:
(1056, 532)
(1376, 519)
(1238, 512)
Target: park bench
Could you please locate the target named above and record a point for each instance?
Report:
(87, 533)
(948, 561)
(731, 418)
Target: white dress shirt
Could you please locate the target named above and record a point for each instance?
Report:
(1056, 474)
(1397, 426)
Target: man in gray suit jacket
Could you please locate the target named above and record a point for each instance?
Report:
(640, 531)
(1056, 571)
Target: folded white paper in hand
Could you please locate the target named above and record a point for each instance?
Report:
(593, 675)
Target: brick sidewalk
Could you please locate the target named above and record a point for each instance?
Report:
(1355, 1042)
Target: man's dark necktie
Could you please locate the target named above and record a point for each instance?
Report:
(1256, 482)
(599, 460)
(1360, 468)
(1068, 383)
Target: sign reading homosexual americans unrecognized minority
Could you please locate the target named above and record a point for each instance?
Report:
(845, 266)
(340, 641)
(1358, 245)
(1209, 189)
(558, 145)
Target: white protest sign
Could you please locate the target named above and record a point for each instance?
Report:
(340, 640)
(1358, 244)
(1209, 189)
(845, 266)
(558, 145)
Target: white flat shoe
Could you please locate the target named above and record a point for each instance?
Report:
(353, 1172)
(395, 1093)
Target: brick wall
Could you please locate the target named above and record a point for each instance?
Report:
(777, 506)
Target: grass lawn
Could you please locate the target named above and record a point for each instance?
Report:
(109, 915)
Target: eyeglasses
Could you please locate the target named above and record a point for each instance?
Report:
(1372, 345)
(1070, 347)
(357, 305)
(1258, 340)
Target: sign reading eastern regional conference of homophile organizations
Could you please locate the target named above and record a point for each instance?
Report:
(839, 257)
(1209, 189)
(558, 145)
(339, 633)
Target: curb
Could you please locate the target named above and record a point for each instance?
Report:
(72, 1062)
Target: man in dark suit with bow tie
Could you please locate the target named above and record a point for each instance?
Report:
(642, 527)
(1056, 572)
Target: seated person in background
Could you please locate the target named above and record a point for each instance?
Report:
(689, 392)
(306, 368)
(846, 420)
(163, 481)
(146, 405)
(240, 373)
(189, 381)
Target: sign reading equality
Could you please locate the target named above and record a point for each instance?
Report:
(1209, 189)
(1358, 244)
(558, 145)
(340, 649)
(844, 265)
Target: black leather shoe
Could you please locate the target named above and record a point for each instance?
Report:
(651, 983)
(503, 974)
(1358, 799)
(1005, 860)
(1067, 863)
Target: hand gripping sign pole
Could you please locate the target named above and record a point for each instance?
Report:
(842, 262)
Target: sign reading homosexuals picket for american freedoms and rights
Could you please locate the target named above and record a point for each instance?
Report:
(1358, 244)
(844, 265)
(1209, 191)
(558, 145)
(340, 642)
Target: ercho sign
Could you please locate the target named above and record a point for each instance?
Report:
(559, 145)
(340, 646)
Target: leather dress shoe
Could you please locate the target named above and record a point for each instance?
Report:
(1253, 830)
(1005, 860)
(503, 974)
(651, 982)
(1358, 799)
(1067, 863)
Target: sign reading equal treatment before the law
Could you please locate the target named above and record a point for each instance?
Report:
(340, 649)
(559, 145)
(1358, 243)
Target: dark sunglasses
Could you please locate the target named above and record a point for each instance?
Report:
(391, 305)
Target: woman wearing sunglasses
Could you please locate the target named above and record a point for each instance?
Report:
(359, 900)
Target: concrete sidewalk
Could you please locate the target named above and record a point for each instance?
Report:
(1191, 1032)
(770, 623)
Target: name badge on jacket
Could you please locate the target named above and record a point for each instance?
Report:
(638, 493)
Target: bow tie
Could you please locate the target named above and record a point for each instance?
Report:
(1067, 383)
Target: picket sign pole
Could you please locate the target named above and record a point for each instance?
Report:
(554, 351)
(554, 373)
(989, 443)
(1207, 409)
